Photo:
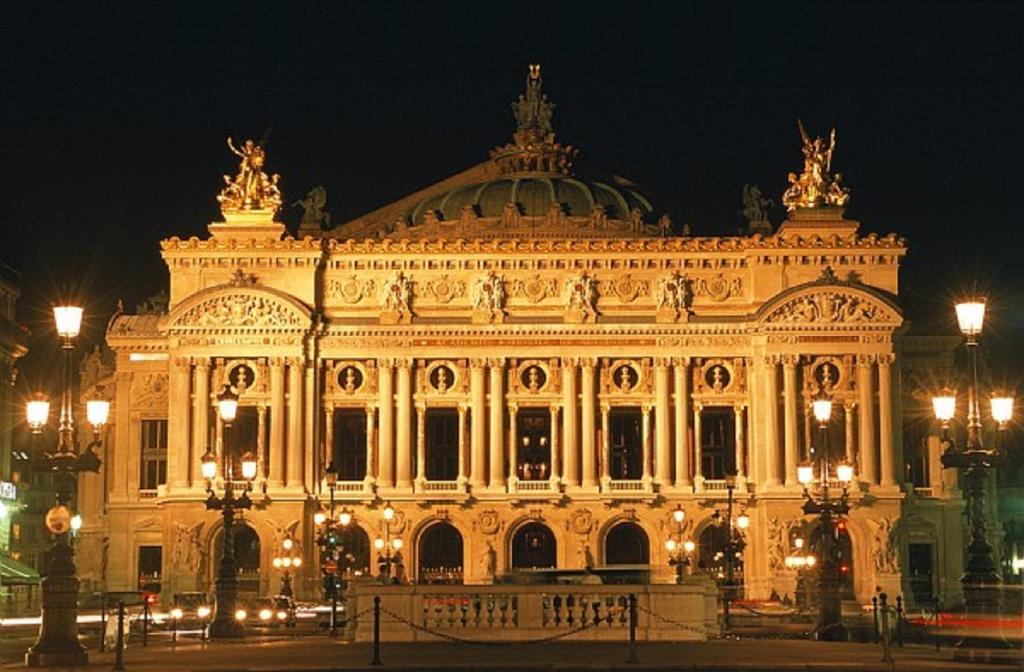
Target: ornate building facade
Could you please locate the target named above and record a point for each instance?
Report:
(531, 368)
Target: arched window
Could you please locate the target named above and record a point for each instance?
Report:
(354, 545)
(712, 547)
(627, 544)
(247, 557)
(534, 547)
(440, 555)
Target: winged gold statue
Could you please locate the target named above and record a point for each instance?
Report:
(815, 186)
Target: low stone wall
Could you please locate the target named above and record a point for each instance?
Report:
(522, 613)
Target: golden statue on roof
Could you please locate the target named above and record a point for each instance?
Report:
(815, 186)
(251, 188)
(533, 148)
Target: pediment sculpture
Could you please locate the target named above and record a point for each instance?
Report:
(829, 307)
(240, 310)
(396, 299)
(488, 297)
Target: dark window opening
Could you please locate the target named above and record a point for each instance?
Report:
(442, 446)
(241, 438)
(712, 547)
(718, 442)
(533, 432)
(440, 555)
(534, 547)
(153, 463)
(921, 564)
(150, 568)
(627, 448)
(349, 449)
(247, 556)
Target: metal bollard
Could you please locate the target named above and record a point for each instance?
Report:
(174, 631)
(376, 631)
(632, 628)
(886, 651)
(874, 613)
(334, 613)
(899, 620)
(119, 651)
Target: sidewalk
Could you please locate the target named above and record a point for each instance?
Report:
(324, 654)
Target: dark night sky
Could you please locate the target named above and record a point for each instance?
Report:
(113, 118)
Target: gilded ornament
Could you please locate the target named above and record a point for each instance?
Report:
(251, 188)
(815, 186)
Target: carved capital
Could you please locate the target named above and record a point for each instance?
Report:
(496, 362)
(662, 362)
(682, 362)
(865, 360)
(201, 362)
(587, 362)
(569, 362)
(385, 363)
(886, 359)
(478, 362)
(403, 363)
(790, 361)
(181, 362)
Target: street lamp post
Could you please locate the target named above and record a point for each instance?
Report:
(388, 549)
(829, 510)
(58, 643)
(980, 580)
(332, 545)
(734, 545)
(285, 561)
(679, 550)
(226, 618)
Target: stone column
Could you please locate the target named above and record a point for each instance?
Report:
(555, 454)
(200, 417)
(513, 443)
(570, 475)
(681, 373)
(851, 448)
(497, 424)
(462, 443)
(328, 448)
(606, 444)
(403, 425)
(372, 468)
(296, 369)
(790, 394)
(662, 426)
(386, 429)
(865, 401)
(645, 473)
(118, 461)
(478, 424)
(588, 408)
(261, 443)
(771, 444)
(277, 423)
(421, 443)
(698, 466)
(741, 442)
(178, 403)
(885, 427)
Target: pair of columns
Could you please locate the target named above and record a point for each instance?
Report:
(875, 449)
(189, 429)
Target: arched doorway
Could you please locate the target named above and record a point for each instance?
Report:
(845, 557)
(712, 546)
(626, 544)
(354, 545)
(534, 547)
(247, 557)
(440, 555)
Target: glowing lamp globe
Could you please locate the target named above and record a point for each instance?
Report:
(227, 404)
(76, 522)
(68, 320)
(331, 474)
(296, 562)
(319, 517)
(805, 474)
(944, 406)
(37, 412)
(970, 315)
(389, 513)
(345, 518)
(209, 465)
(811, 561)
(1002, 410)
(396, 544)
(378, 543)
(679, 515)
(844, 472)
(689, 546)
(671, 545)
(822, 408)
(277, 563)
(799, 543)
(288, 543)
(248, 466)
(97, 411)
(743, 521)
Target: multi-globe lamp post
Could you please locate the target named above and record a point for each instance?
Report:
(820, 501)
(58, 643)
(227, 619)
(388, 548)
(286, 561)
(679, 550)
(980, 581)
(733, 548)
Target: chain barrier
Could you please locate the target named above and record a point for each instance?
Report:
(672, 622)
(794, 612)
(466, 640)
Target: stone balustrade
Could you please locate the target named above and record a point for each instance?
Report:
(528, 612)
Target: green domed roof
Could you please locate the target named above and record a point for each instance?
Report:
(533, 194)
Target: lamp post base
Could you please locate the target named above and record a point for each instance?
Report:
(836, 632)
(78, 658)
(226, 629)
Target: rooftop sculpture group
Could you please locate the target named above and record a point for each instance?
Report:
(815, 186)
(251, 189)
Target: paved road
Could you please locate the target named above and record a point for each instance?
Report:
(321, 653)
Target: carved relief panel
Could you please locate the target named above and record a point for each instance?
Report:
(350, 378)
(720, 379)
